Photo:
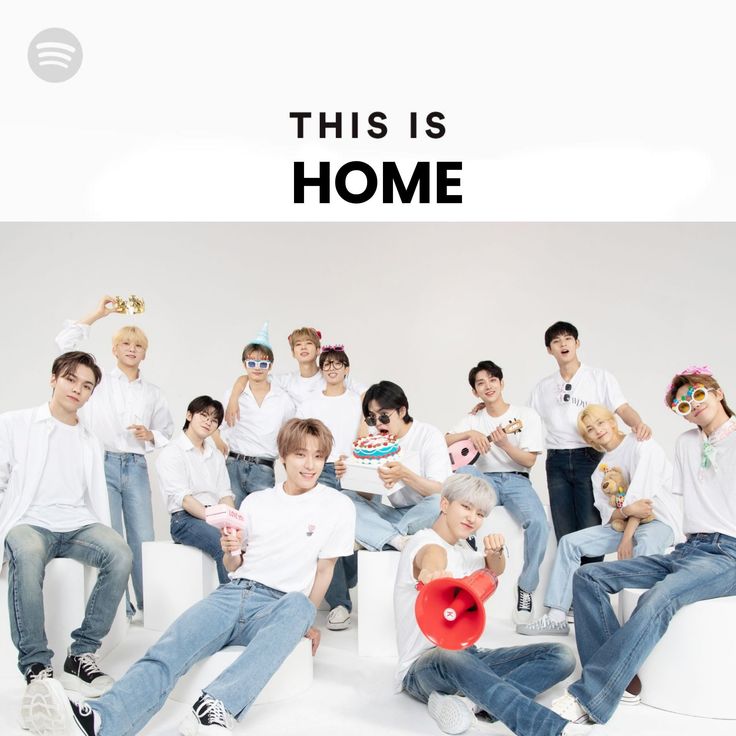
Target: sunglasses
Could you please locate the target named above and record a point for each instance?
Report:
(567, 395)
(384, 417)
(262, 364)
(694, 396)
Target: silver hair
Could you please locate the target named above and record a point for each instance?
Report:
(471, 489)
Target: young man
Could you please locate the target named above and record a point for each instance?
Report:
(131, 418)
(250, 445)
(415, 504)
(456, 684)
(701, 568)
(53, 503)
(192, 475)
(558, 399)
(294, 534)
(506, 458)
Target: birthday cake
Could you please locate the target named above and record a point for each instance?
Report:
(375, 450)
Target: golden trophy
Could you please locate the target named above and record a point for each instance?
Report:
(132, 305)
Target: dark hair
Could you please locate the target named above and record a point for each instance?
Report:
(293, 434)
(557, 330)
(67, 363)
(387, 395)
(201, 403)
(489, 367)
(256, 347)
(340, 355)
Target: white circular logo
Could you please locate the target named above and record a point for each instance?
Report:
(55, 55)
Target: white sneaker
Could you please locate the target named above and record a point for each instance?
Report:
(451, 713)
(338, 618)
(544, 626)
(568, 707)
(48, 712)
(629, 699)
(207, 716)
(579, 729)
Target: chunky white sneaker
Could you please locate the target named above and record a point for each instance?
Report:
(83, 675)
(544, 626)
(338, 618)
(48, 712)
(523, 612)
(569, 708)
(207, 716)
(452, 713)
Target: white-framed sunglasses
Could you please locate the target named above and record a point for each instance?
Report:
(261, 364)
(694, 396)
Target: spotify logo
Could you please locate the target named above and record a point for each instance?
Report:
(55, 55)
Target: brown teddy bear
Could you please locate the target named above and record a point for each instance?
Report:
(614, 485)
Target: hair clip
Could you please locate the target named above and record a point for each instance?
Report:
(319, 334)
(333, 348)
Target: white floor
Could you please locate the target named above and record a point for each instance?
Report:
(353, 695)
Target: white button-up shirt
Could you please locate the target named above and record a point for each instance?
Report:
(118, 402)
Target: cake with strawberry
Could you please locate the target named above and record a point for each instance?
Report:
(375, 449)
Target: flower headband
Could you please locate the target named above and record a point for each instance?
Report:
(338, 348)
(691, 370)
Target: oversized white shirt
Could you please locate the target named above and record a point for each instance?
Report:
(648, 472)
(301, 388)
(255, 432)
(340, 414)
(285, 535)
(530, 438)
(118, 402)
(25, 436)
(589, 386)
(183, 470)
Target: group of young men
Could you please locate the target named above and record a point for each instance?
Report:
(59, 498)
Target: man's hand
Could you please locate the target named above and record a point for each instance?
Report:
(427, 576)
(140, 432)
(391, 472)
(493, 545)
(480, 441)
(625, 549)
(640, 509)
(340, 466)
(642, 431)
(500, 438)
(220, 444)
(231, 540)
(232, 413)
(315, 635)
(480, 405)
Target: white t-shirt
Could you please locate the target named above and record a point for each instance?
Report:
(185, 471)
(709, 494)
(589, 386)
(341, 415)
(428, 444)
(648, 472)
(255, 432)
(60, 501)
(530, 438)
(286, 535)
(301, 388)
(462, 560)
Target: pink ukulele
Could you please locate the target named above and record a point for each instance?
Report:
(463, 452)
(225, 517)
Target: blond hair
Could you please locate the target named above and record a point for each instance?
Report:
(304, 333)
(597, 411)
(132, 333)
(293, 435)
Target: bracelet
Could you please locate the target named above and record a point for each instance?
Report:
(623, 514)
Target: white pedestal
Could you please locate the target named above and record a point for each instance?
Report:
(292, 678)
(689, 670)
(175, 577)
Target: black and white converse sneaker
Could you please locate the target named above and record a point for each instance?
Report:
(83, 675)
(48, 712)
(38, 671)
(207, 716)
(523, 606)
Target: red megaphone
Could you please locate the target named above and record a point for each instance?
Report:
(450, 611)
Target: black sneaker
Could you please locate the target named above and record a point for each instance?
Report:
(83, 675)
(38, 671)
(47, 710)
(207, 716)
(523, 606)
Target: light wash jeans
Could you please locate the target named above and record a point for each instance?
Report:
(328, 477)
(247, 477)
(704, 567)
(502, 682)
(267, 622)
(649, 539)
(517, 495)
(376, 523)
(129, 492)
(188, 529)
(29, 549)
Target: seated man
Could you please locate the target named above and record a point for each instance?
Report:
(415, 504)
(509, 438)
(701, 568)
(646, 471)
(192, 475)
(53, 503)
(294, 534)
(457, 684)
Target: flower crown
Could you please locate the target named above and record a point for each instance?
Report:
(691, 370)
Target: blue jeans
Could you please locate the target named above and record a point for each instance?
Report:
(704, 567)
(247, 477)
(267, 622)
(130, 499)
(188, 529)
(649, 539)
(502, 682)
(376, 523)
(517, 495)
(29, 549)
(328, 477)
(571, 490)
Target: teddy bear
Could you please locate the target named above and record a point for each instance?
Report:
(614, 485)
